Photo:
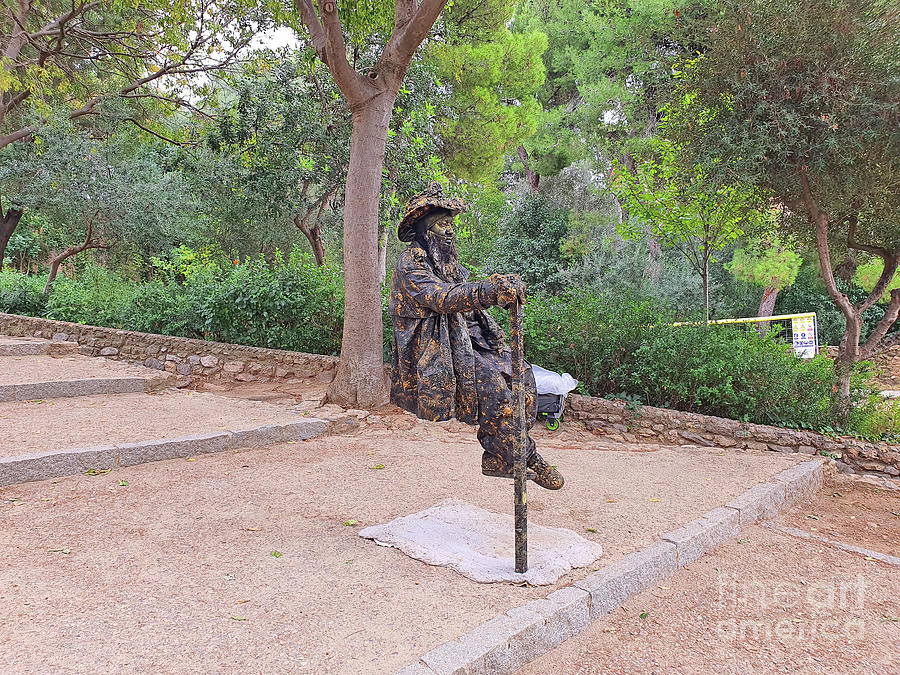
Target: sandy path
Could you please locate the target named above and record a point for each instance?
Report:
(174, 571)
(764, 603)
(60, 423)
(42, 368)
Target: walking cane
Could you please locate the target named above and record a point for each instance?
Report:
(518, 397)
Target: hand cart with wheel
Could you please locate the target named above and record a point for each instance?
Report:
(552, 389)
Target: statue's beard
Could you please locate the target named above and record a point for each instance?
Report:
(443, 253)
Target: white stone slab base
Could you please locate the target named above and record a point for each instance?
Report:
(479, 544)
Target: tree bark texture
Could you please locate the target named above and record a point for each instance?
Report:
(359, 381)
(531, 178)
(767, 304)
(8, 223)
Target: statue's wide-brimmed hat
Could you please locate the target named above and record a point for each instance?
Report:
(432, 199)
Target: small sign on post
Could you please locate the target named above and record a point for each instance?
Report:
(517, 361)
(805, 336)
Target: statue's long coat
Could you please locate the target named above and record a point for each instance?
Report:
(449, 357)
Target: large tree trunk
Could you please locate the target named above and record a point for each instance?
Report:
(359, 381)
(767, 304)
(8, 223)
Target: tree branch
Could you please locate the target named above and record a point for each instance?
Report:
(871, 345)
(328, 39)
(820, 222)
(403, 13)
(403, 43)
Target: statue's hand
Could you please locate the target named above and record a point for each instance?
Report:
(507, 288)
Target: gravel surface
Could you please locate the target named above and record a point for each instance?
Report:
(764, 603)
(250, 561)
(43, 368)
(60, 423)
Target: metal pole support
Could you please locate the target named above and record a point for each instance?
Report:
(519, 468)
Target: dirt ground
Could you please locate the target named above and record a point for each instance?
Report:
(764, 603)
(251, 562)
(43, 368)
(853, 513)
(60, 423)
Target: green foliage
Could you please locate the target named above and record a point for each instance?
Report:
(592, 337)
(769, 265)
(529, 243)
(732, 373)
(22, 294)
(808, 294)
(116, 187)
(287, 303)
(867, 276)
(784, 90)
(627, 347)
(608, 67)
(95, 295)
(492, 108)
(683, 208)
(877, 418)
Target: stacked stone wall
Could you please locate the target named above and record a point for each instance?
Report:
(635, 424)
(188, 358)
(888, 363)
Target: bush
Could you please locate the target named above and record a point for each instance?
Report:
(589, 336)
(628, 347)
(286, 304)
(283, 304)
(96, 296)
(728, 372)
(21, 293)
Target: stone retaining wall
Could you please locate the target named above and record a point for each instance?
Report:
(188, 358)
(634, 424)
(889, 364)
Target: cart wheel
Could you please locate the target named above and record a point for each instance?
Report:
(552, 423)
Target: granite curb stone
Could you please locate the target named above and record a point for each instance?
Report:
(84, 387)
(614, 584)
(58, 463)
(760, 502)
(801, 481)
(509, 641)
(703, 534)
(54, 464)
(172, 448)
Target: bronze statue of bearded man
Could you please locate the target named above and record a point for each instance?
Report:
(450, 357)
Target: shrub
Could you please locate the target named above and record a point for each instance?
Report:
(21, 293)
(627, 346)
(286, 304)
(592, 337)
(96, 296)
(727, 372)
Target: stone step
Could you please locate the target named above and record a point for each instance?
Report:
(16, 346)
(44, 376)
(57, 463)
(67, 436)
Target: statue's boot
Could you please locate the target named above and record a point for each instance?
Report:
(545, 475)
(493, 465)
